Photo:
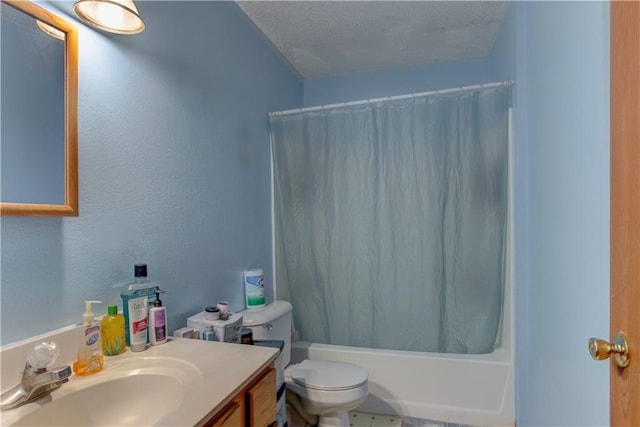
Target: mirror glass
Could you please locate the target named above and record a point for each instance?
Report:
(38, 170)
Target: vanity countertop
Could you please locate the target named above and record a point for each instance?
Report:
(226, 369)
(213, 373)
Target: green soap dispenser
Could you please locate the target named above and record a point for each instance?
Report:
(89, 358)
(113, 332)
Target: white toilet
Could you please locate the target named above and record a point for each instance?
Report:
(325, 388)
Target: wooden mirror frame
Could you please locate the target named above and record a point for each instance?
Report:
(70, 206)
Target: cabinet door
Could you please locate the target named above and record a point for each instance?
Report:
(261, 401)
(230, 417)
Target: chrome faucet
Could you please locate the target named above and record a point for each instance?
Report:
(36, 381)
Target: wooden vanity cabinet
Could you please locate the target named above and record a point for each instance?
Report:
(231, 416)
(254, 406)
(261, 404)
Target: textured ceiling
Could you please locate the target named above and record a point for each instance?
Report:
(322, 38)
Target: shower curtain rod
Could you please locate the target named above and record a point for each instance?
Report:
(391, 98)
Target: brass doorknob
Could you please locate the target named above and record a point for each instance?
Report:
(619, 349)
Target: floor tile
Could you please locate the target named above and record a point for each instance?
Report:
(363, 419)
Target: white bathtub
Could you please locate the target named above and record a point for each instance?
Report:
(476, 390)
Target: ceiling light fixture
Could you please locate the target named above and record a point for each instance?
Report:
(114, 16)
(50, 31)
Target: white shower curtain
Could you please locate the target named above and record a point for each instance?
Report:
(391, 221)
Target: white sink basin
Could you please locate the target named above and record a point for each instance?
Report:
(115, 396)
(181, 383)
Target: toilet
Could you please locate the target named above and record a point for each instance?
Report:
(325, 388)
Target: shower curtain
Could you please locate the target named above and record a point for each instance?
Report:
(391, 220)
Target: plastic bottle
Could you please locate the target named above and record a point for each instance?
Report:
(112, 327)
(209, 334)
(158, 321)
(135, 305)
(89, 358)
(254, 288)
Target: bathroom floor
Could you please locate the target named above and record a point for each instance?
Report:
(363, 419)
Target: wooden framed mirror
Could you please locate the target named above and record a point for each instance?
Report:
(39, 140)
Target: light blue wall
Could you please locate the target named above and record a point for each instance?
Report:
(508, 62)
(395, 81)
(558, 53)
(174, 171)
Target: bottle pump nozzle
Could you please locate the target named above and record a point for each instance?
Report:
(157, 302)
(87, 316)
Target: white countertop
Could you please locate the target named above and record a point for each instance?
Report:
(218, 371)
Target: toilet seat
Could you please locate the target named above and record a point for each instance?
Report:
(327, 375)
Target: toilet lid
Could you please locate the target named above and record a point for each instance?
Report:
(328, 375)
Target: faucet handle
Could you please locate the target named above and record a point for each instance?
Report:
(42, 355)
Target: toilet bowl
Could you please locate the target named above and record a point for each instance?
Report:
(328, 389)
(325, 388)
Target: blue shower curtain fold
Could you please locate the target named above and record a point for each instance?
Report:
(391, 221)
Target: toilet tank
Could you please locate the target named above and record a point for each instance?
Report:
(273, 322)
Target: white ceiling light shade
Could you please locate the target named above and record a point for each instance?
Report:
(114, 16)
(50, 31)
